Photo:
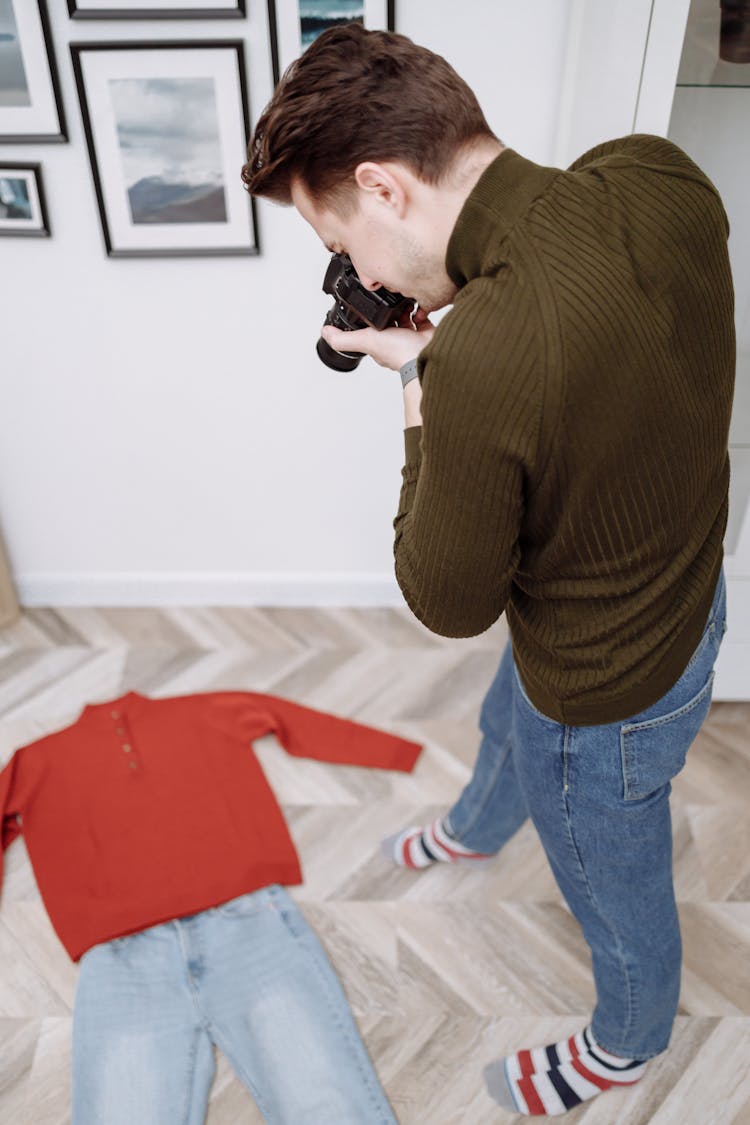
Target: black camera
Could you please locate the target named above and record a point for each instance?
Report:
(356, 307)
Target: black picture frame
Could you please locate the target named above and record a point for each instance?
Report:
(232, 9)
(27, 176)
(130, 212)
(283, 51)
(42, 120)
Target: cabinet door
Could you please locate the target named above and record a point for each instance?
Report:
(707, 113)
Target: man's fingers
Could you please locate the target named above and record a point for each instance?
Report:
(348, 341)
(390, 348)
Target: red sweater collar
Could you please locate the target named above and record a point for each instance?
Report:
(125, 706)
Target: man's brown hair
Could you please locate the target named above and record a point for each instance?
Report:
(358, 95)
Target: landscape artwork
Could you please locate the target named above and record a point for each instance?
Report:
(294, 24)
(21, 200)
(166, 126)
(14, 86)
(316, 16)
(30, 104)
(15, 202)
(168, 133)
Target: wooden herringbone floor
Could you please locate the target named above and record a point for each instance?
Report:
(445, 970)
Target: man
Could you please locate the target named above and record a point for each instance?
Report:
(566, 462)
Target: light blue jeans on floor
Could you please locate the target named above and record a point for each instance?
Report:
(250, 976)
(599, 798)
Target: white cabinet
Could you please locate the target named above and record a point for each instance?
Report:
(663, 74)
(709, 116)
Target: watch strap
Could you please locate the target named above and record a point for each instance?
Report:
(408, 372)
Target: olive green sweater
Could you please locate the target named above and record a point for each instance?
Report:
(571, 467)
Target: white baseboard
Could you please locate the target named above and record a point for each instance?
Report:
(207, 589)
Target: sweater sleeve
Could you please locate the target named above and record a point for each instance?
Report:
(307, 733)
(462, 500)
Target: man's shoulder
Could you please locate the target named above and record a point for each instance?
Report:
(496, 323)
(638, 153)
(490, 306)
(633, 146)
(650, 174)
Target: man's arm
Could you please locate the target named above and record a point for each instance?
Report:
(462, 500)
(413, 404)
(461, 503)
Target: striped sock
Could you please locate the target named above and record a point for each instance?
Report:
(551, 1080)
(417, 847)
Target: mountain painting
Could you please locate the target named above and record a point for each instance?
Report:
(14, 198)
(14, 87)
(318, 15)
(168, 134)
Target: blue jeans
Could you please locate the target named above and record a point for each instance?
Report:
(250, 976)
(599, 798)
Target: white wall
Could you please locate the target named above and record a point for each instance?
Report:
(603, 72)
(167, 433)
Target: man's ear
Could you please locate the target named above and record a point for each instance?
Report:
(384, 184)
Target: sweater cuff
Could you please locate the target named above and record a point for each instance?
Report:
(412, 451)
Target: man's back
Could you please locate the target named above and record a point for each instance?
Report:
(594, 333)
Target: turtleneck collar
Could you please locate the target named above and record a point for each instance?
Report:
(501, 196)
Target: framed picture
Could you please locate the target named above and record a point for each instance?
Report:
(22, 207)
(30, 104)
(293, 24)
(156, 9)
(167, 125)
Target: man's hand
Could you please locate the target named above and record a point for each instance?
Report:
(393, 347)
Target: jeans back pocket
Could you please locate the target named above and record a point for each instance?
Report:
(654, 751)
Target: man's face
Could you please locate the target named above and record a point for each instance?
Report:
(384, 249)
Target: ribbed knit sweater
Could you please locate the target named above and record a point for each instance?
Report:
(572, 467)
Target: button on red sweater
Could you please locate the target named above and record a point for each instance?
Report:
(149, 809)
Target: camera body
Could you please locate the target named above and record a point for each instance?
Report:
(356, 307)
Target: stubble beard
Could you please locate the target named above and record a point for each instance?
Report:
(432, 288)
(437, 298)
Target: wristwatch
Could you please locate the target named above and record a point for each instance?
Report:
(408, 372)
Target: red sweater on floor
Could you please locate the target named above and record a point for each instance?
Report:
(149, 809)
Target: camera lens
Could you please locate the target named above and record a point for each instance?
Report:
(347, 321)
(337, 361)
